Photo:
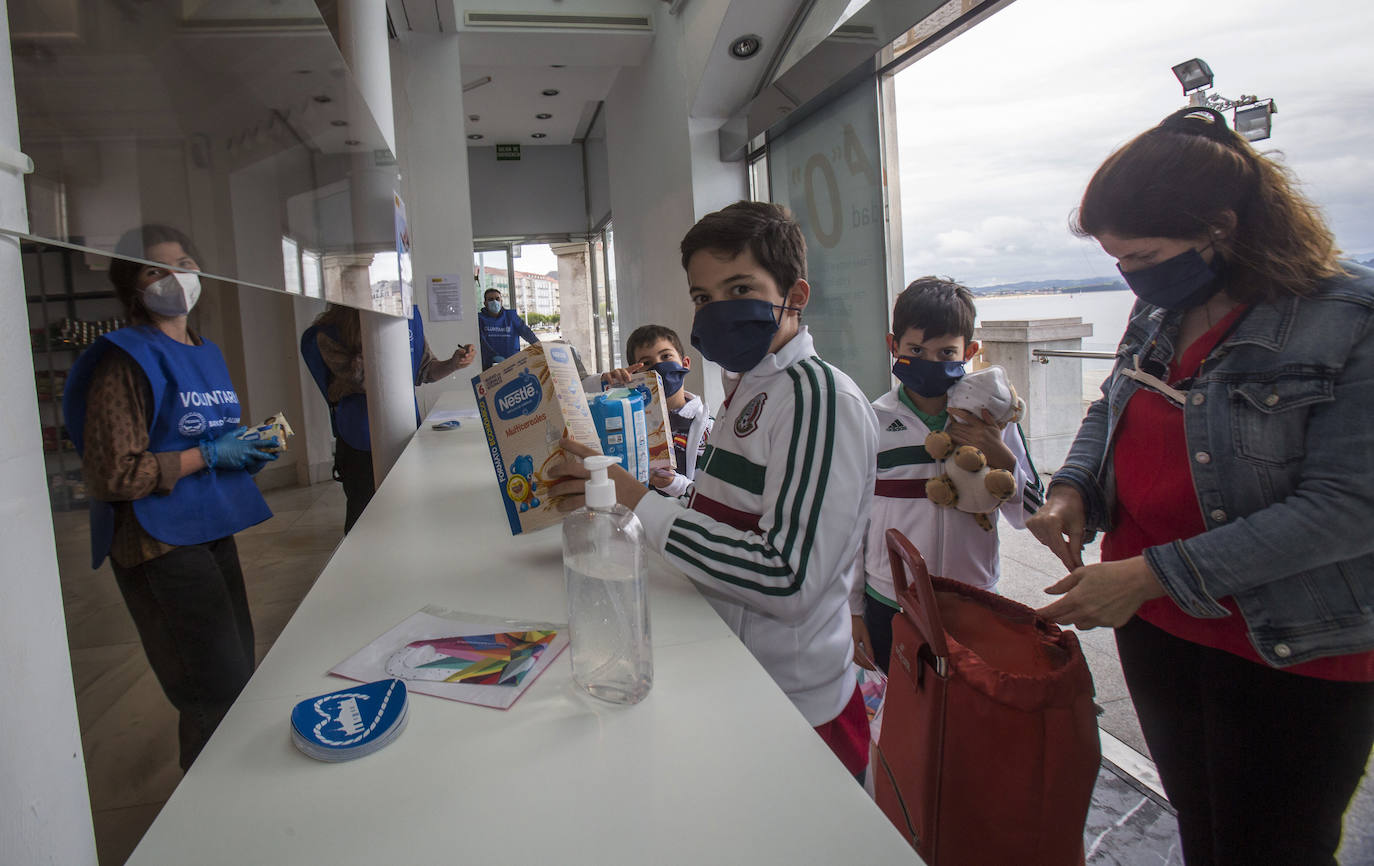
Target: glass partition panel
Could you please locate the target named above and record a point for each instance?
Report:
(827, 170)
(238, 124)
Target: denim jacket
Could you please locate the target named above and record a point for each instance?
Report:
(1280, 430)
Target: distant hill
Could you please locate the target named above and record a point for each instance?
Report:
(1088, 284)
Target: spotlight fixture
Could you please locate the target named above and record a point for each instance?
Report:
(1193, 74)
(538, 135)
(352, 142)
(1255, 122)
(745, 47)
(338, 123)
(474, 117)
(475, 136)
(322, 98)
(543, 115)
(549, 92)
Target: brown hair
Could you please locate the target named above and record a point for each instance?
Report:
(768, 230)
(135, 243)
(1181, 178)
(646, 335)
(936, 305)
(346, 320)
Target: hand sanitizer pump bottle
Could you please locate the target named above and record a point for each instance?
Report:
(608, 604)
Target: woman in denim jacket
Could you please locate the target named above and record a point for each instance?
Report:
(1230, 462)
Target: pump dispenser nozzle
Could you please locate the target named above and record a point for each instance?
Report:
(600, 488)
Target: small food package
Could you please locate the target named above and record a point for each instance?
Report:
(274, 426)
(650, 384)
(527, 403)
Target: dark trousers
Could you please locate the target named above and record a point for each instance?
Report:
(354, 469)
(1260, 763)
(192, 615)
(878, 619)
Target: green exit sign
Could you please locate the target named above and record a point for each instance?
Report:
(507, 151)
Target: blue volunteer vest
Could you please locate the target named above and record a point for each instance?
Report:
(349, 415)
(500, 335)
(193, 400)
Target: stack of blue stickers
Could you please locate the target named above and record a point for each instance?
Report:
(348, 724)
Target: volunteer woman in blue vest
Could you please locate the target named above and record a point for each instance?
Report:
(332, 348)
(156, 418)
(1231, 465)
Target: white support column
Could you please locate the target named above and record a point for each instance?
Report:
(45, 811)
(386, 341)
(430, 130)
(1053, 392)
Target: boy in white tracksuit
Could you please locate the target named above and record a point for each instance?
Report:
(932, 331)
(784, 485)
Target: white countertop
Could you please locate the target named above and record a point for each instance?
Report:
(715, 766)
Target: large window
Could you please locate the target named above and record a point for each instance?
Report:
(1001, 128)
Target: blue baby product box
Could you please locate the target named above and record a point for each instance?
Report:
(527, 403)
(621, 426)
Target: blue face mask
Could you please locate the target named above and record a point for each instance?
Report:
(928, 378)
(494, 307)
(735, 334)
(672, 373)
(1176, 283)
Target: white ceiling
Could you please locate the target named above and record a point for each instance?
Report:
(581, 64)
(506, 106)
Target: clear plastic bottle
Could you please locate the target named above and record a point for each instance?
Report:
(608, 603)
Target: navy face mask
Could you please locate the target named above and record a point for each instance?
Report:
(1176, 283)
(735, 334)
(672, 373)
(928, 378)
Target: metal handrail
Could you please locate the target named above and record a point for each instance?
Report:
(1044, 355)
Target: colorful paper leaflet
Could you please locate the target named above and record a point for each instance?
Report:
(501, 659)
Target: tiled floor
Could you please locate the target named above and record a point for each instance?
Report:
(129, 729)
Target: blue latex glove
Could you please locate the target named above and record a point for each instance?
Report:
(227, 451)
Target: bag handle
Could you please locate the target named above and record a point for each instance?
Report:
(919, 604)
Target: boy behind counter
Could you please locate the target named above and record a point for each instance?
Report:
(659, 348)
(778, 511)
(931, 340)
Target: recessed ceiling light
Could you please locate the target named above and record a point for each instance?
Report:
(550, 92)
(352, 142)
(543, 115)
(303, 71)
(745, 47)
(338, 123)
(538, 135)
(556, 65)
(474, 117)
(322, 98)
(476, 136)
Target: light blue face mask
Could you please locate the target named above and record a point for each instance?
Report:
(494, 307)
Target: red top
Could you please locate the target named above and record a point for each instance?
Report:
(1156, 504)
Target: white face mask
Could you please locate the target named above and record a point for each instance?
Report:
(173, 295)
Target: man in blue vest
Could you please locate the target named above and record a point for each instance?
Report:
(500, 330)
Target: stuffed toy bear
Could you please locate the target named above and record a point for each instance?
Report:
(965, 481)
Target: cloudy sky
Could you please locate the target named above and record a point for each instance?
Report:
(1001, 128)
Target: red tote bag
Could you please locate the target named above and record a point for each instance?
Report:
(988, 752)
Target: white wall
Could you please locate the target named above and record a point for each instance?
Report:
(434, 183)
(598, 173)
(44, 808)
(541, 193)
(664, 176)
